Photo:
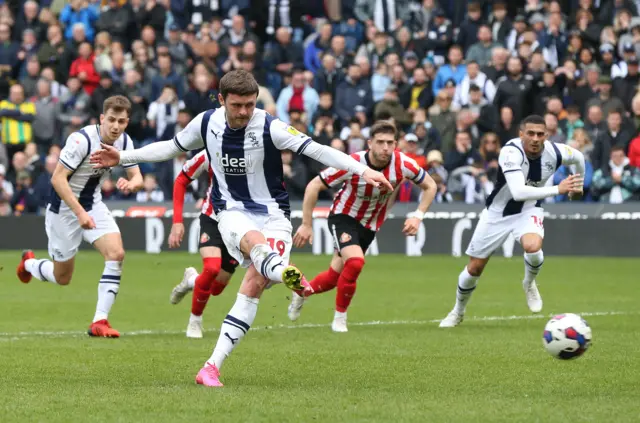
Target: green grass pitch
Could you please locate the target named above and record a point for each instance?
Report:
(395, 364)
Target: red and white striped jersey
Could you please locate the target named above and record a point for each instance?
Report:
(363, 202)
(193, 168)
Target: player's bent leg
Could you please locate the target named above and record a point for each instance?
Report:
(211, 265)
(533, 260)
(234, 327)
(57, 272)
(323, 282)
(467, 282)
(353, 259)
(268, 262)
(111, 248)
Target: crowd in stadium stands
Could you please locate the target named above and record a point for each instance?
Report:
(457, 76)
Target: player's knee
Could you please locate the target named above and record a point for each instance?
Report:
(532, 245)
(476, 267)
(353, 267)
(63, 279)
(211, 267)
(116, 254)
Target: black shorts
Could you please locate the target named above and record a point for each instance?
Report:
(210, 237)
(348, 231)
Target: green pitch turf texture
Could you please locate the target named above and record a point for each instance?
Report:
(394, 365)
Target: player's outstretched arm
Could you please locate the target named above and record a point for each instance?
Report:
(304, 233)
(60, 183)
(288, 138)
(110, 156)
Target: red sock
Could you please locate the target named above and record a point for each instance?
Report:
(325, 281)
(204, 281)
(217, 288)
(347, 283)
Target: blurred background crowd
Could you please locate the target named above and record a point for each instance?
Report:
(457, 76)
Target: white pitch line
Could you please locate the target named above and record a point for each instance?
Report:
(16, 336)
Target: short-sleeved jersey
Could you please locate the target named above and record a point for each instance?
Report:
(363, 202)
(536, 172)
(246, 162)
(85, 180)
(192, 168)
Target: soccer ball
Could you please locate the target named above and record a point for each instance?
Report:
(566, 336)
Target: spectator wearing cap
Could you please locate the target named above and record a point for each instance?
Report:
(454, 69)
(297, 96)
(412, 149)
(83, 68)
(318, 45)
(625, 88)
(473, 77)
(439, 37)
(390, 105)
(78, 11)
(499, 22)
(352, 92)
(480, 52)
(468, 30)
(385, 15)
(116, 20)
(605, 97)
(410, 61)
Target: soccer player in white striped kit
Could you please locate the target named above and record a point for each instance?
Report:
(76, 211)
(357, 213)
(514, 207)
(248, 195)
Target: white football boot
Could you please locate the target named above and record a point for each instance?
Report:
(339, 323)
(295, 308)
(194, 328)
(534, 300)
(183, 287)
(453, 319)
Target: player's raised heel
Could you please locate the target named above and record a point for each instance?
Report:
(534, 300)
(292, 278)
(182, 288)
(209, 375)
(102, 329)
(21, 271)
(453, 319)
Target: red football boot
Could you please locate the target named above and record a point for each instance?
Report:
(23, 275)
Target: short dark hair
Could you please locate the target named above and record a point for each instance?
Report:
(238, 82)
(384, 127)
(117, 103)
(615, 111)
(533, 120)
(616, 148)
(573, 108)
(474, 87)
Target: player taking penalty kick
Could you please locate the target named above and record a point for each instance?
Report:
(357, 213)
(248, 196)
(217, 265)
(525, 165)
(76, 211)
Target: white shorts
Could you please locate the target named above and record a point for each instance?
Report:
(65, 233)
(234, 224)
(493, 230)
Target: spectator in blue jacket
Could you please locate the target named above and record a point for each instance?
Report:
(320, 44)
(454, 70)
(73, 13)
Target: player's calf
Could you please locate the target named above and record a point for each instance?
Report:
(203, 284)
(59, 273)
(533, 260)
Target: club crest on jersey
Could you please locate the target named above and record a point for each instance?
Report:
(549, 166)
(254, 140)
(345, 237)
(204, 238)
(235, 165)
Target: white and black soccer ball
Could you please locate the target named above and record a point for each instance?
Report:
(566, 336)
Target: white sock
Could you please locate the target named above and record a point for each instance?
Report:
(191, 282)
(267, 262)
(194, 318)
(339, 314)
(108, 289)
(234, 328)
(466, 285)
(532, 265)
(41, 269)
